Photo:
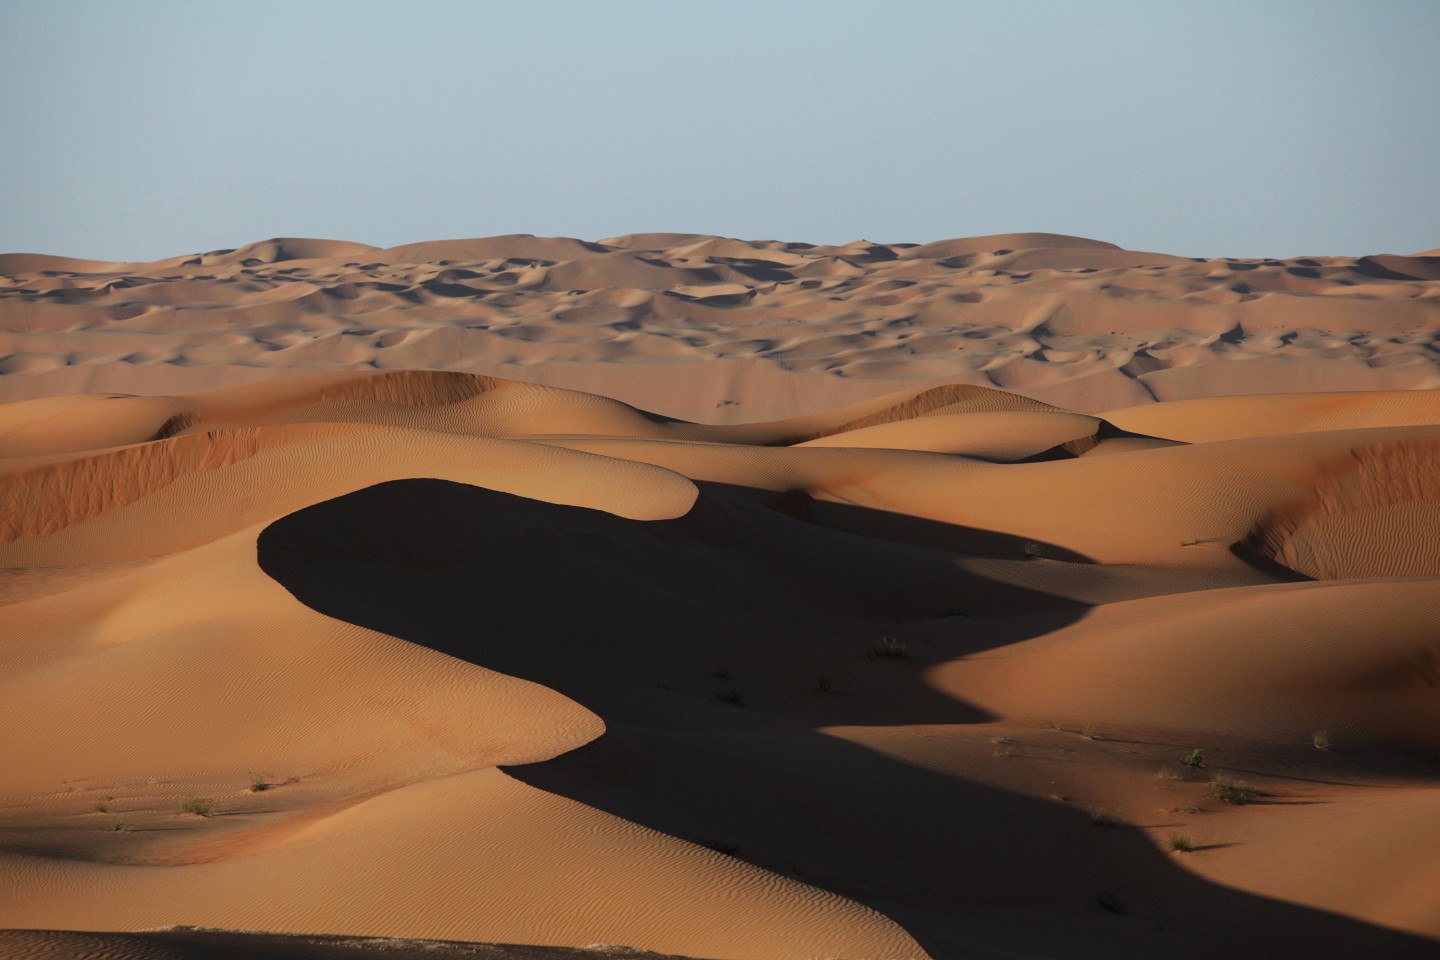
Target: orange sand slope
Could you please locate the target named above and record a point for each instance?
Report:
(783, 328)
(188, 943)
(445, 656)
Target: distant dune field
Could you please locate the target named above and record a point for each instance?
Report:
(1017, 596)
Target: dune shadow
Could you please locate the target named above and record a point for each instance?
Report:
(598, 606)
(635, 619)
(882, 525)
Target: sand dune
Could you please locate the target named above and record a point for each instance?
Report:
(718, 598)
(767, 328)
(190, 943)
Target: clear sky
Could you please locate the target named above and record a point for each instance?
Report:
(150, 128)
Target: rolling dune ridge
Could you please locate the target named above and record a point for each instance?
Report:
(779, 329)
(720, 599)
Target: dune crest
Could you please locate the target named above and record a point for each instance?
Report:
(1011, 596)
(1078, 323)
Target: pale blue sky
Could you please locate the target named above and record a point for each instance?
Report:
(137, 130)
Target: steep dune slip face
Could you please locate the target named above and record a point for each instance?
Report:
(806, 639)
(1374, 513)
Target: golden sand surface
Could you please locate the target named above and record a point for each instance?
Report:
(720, 599)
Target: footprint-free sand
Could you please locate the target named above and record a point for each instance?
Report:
(719, 598)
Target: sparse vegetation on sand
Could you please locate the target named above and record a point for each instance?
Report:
(1229, 790)
(1180, 843)
(888, 648)
(1101, 817)
(1109, 902)
(1320, 739)
(1195, 758)
(198, 806)
(731, 695)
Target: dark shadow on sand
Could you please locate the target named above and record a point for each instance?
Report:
(633, 619)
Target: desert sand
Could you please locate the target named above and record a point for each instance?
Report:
(1014, 596)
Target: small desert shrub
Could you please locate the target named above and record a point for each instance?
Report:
(1090, 733)
(1321, 739)
(200, 806)
(260, 782)
(1101, 817)
(1227, 790)
(103, 806)
(824, 683)
(1109, 902)
(1180, 843)
(1195, 758)
(731, 695)
(1167, 772)
(1033, 551)
(115, 825)
(888, 648)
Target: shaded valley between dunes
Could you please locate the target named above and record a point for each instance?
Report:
(1131, 658)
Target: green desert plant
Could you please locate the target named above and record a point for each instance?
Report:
(1033, 551)
(1321, 739)
(1228, 790)
(1195, 758)
(731, 695)
(103, 806)
(888, 648)
(1180, 843)
(199, 806)
(115, 825)
(260, 782)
